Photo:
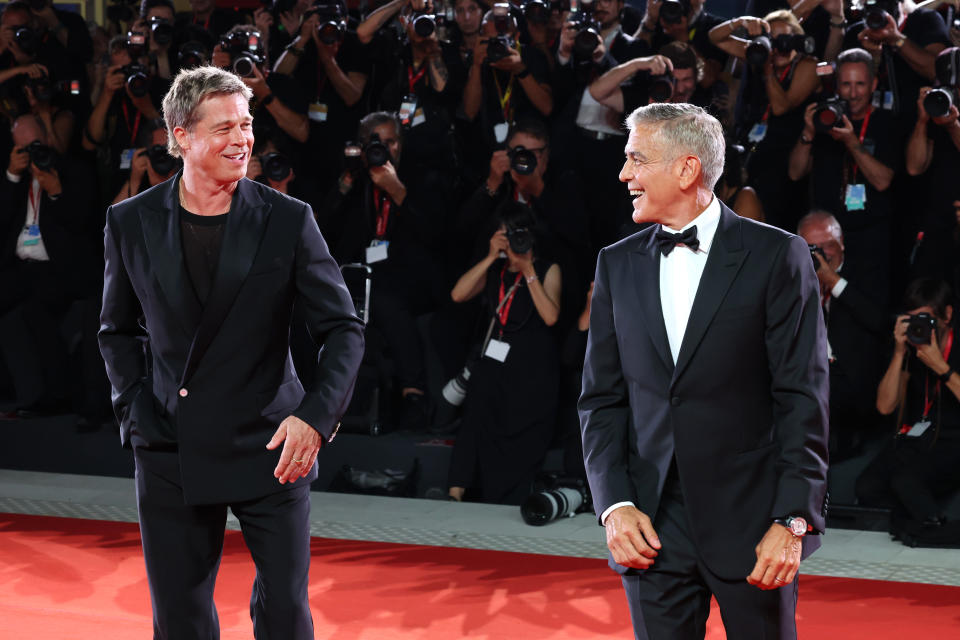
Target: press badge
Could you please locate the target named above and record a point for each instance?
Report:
(32, 235)
(757, 132)
(126, 159)
(918, 429)
(408, 108)
(418, 117)
(856, 197)
(318, 112)
(377, 251)
(888, 100)
(500, 132)
(498, 350)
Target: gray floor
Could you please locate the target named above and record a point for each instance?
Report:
(854, 554)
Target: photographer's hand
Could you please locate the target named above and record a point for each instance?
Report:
(930, 355)
(631, 538)
(498, 244)
(657, 65)
(900, 335)
(808, 129)
(49, 181)
(138, 166)
(220, 58)
(825, 274)
(948, 120)
(290, 22)
(513, 63)
(844, 133)
(19, 161)
(254, 170)
(567, 35)
(499, 167)
(385, 178)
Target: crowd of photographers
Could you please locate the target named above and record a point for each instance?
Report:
(466, 156)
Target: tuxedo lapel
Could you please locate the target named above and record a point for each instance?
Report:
(160, 221)
(726, 257)
(246, 223)
(645, 268)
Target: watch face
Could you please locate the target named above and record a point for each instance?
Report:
(798, 526)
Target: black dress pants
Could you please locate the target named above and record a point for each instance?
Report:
(671, 600)
(182, 545)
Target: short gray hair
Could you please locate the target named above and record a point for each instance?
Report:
(685, 129)
(181, 105)
(820, 216)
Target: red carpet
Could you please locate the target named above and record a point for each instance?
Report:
(69, 579)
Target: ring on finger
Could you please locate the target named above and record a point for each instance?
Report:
(779, 580)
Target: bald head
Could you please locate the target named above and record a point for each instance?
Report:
(26, 129)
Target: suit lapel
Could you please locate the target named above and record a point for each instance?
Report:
(726, 257)
(645, 267)
(241, 239)
(161, 234)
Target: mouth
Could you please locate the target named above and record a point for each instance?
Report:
(636, 194)
(238, 158)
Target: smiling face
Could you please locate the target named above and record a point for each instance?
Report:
(649, 173)
(856, 87)
(218, 145)
(684, 85)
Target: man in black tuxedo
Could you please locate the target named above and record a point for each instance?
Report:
(202, 272)
(704, 403)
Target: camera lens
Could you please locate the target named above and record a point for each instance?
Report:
(137, 81)
(937, 103)
(330, 32)
(41, 155)
(661, 88)
(275, 166)
(162, 31)
(546, 506)
(523, 161)
(243, 66)
(758, 51)
(424, 25)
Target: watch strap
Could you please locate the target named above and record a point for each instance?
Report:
(945, 376)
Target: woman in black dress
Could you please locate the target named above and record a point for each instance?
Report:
(510, 410)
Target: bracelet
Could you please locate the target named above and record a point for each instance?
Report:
(532, 279)
(899, 43)
(297, 51)
(268, 99)
(945, 377)
(805, 140)
(523, 74)
(838, 25)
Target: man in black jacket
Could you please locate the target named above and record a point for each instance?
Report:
(202, 273)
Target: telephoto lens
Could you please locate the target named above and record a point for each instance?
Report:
(546, 506)
(275, 166)
(376, 152)
(161, 161)
(137, 81)
(660, 88)
(455, 391)
(920, 328)
(758, 51)
(522, 160)
(161, 31)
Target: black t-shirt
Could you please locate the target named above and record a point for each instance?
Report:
(833, 170)
(497, 85)
(942, 186)
(924, 387)
(202, 237)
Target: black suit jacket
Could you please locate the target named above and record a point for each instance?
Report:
(744, 410)
(213, 383)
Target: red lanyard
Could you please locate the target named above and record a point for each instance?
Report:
(206, 23)
(863, 133)
(321, 80)
(136, 124)
(34, 195)
(414, 79)
(927, 401)
(783, 76)
(383, 212)
(505, 307)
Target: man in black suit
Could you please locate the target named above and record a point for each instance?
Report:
(704, 403)
(202, 272)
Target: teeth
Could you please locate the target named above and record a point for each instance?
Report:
(636, 192)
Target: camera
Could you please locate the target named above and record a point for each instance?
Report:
(520, 238)
(376, 152)
(455, 391)
(160, 30)
(660, 88)
(192, 54)
(27, 40)
(352, 157)
(588, 31)
(522, 160)
(245, 51)
(137, 78)
(674, 11)
(275, 166)
(555, 497)
(161, 161)
(875, 13)
(920, 327)
(331, 26)
(760, 48)
(829, 113)
(937, 103)
(424, 24)
(41, 156)
(498, 47)
(814, 251)
(136, 44)
(121, 10)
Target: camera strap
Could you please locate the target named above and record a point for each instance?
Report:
(382, 203)
(493, 320)
(506, 299)
(863, 134)
(34, 201)
(504, 96)
(136, 123)
(413, 79)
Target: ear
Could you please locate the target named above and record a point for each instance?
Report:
(182, 137)
(688, 171)
(948, 310)
(873, 86)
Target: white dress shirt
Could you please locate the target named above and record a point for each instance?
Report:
(680, 273)
(30, 247)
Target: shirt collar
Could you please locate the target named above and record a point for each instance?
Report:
(707, 222)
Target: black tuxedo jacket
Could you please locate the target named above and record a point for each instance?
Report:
(743, 411)
(213, 383)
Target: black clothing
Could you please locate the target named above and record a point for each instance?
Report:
(217, 23)
(201, 237)
(938, 253)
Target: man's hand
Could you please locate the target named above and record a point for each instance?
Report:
(33, 70)
(385, 178)
(844, 133)
(778, 559)
(498, 243)
(825, 274)
(567, 35)
(138, 166)
(631, 538)
(868, 40)
(257, 84)
(900, 334)
(290, 22)
(930, 355)
(301, 442)
(114, 80)
(499, 167)
(949, 120)
(809, 130)
(19, 161)
(263, 20)
(513, 63)
(49, 180)
(754, 26)
(657, 65)
(889, 34)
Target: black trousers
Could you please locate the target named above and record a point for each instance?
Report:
(671, 600)
(182, 545)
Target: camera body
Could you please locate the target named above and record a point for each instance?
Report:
(829, 113)
(160, 160)
(137, 79)
(136, 44)
(522, 160)
(760, 48)
(42, 156)
(588, 31)
(160, 30)
(875, 13)
(331, 25)
(245, 51)
(920, 328)
(192, 54)
(814, 252)
(674, 11)
(275, 166)
(660, 87)
(938, 101)
(520, 239)
(498, 47)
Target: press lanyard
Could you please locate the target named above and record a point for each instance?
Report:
(136, 123)
(206, 23)
(412, 78)
(783, 76)
(504, 308)
(504, 97)
(383, 212)
(927, 401)
(863, 133)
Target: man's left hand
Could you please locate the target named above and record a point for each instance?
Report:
(844, 133)
(826, 274)
(778, 559)
(930, 355)
(385, 177)
(301, 442)
(49, 180)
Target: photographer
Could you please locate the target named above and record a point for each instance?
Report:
(684, 21)
(331, 69)
(48, 230)
(504, 435)
(156, 21)
(204, 13)
(903, 46)
(933, 151)
(150, 166)
(922, 386)
(779, 79)
(826, 22)
(389, 215)
(851, 163)
(856, 325)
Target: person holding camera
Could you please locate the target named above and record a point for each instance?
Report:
(933, 152)
(156, 22)
(204, 13)
(49, 232)
(504, 435)
(850, 152)
(780, 78)
(856, 325)
(151, 165)
(684, 21)
(922, 387)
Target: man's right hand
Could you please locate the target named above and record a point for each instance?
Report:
(499, 166)
(114, 80)
(19, 161)
(631, 538)
(900, 334)
(657, 65)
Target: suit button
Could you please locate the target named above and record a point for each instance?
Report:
(675, 401)
(183, 393)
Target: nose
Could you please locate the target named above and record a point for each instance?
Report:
(625, 174)
(237, 137)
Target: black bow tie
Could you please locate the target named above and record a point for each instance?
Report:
(666, 241)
